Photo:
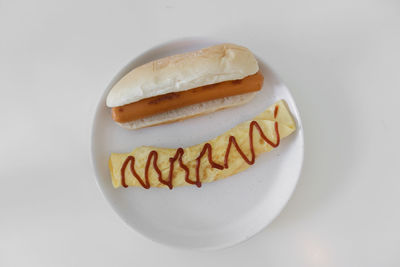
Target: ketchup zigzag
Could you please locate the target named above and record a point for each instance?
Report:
(153, 155)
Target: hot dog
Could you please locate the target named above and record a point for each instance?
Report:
(185, 85)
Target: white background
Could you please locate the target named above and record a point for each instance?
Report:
(339, 58)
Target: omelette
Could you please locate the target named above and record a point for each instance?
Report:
(221, 157)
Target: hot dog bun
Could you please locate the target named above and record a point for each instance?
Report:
(189, 111)
(184, 72)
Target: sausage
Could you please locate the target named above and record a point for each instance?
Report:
(162, 103)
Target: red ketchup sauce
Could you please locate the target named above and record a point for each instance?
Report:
(207, 148)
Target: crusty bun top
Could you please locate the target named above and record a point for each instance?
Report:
(182, 72)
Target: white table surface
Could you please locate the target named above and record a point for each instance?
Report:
(340, 60)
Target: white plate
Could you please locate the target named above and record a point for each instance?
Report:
(218, 214)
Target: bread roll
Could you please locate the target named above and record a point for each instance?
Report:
(215, 64)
